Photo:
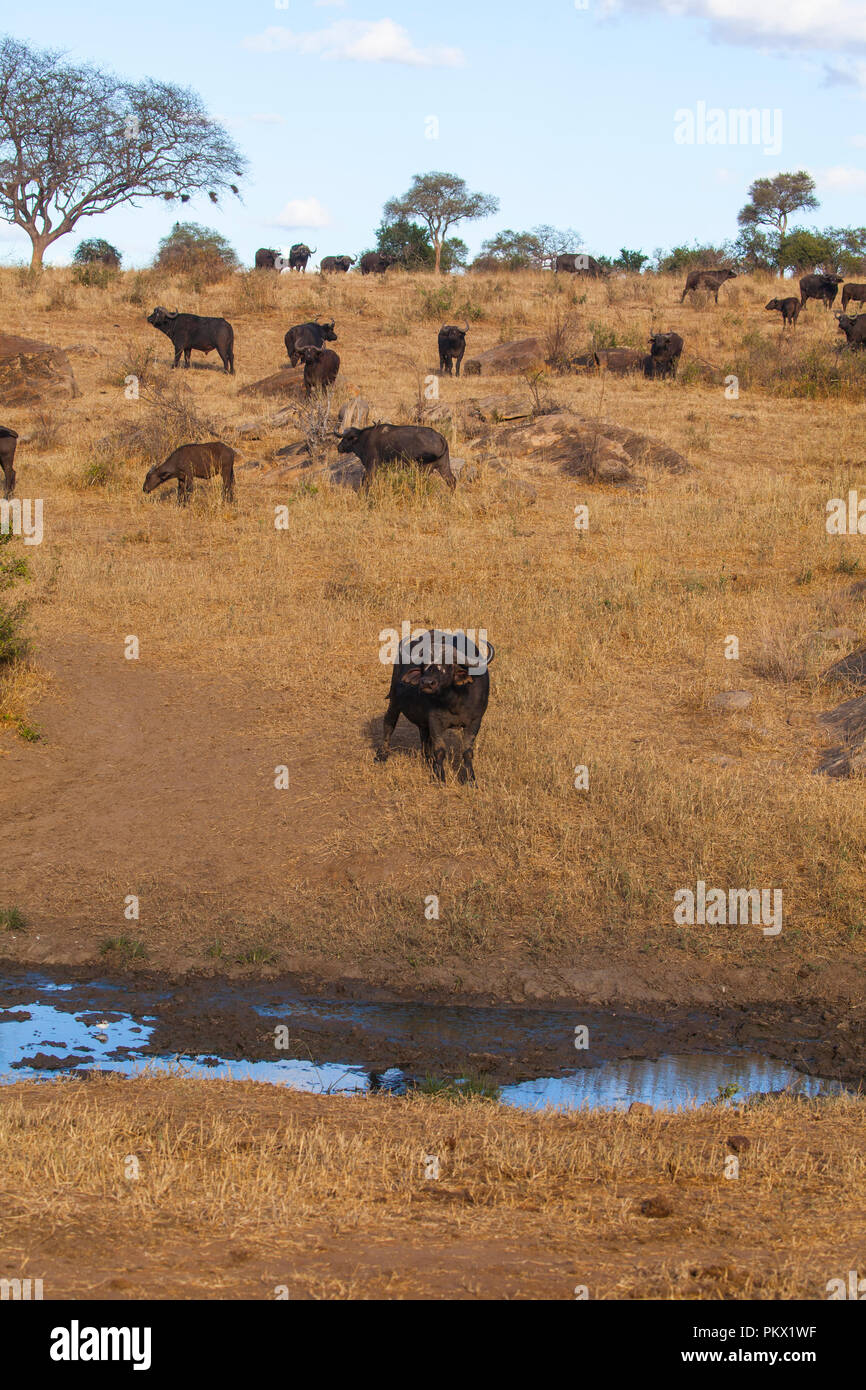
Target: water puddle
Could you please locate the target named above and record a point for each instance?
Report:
(60, 1028)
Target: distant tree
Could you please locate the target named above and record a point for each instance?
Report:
(685, 258)
(97, 252)
(756, 250)
(850, 249)
(191, 249)
(513, 250)
(630, 260)
(413, 249)
(75, 141)
(557, 241)
(803, 251)
(440, 201)
(771, 201)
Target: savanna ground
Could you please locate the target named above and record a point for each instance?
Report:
(170, 1188)
(260, 648)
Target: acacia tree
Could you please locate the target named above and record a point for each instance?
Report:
(440, 201)
(75, 141)
(771, 201)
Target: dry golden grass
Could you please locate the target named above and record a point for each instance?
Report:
(608, 644)
(242, 1190)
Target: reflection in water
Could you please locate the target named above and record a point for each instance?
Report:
(38, 1039)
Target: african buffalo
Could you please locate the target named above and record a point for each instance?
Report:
(379, 444)
(308, 335)
(268, 259)
(665, 352)
(190, 332)
(195, 461)
(375, 263)
(440, 683)
(789, 309)
(299, 254)
(336, 264)
(856, 292)
(8, 443)
(854, 328)
(452, 346)
(711, 280)
(580, 265)
(823, 287)
(321, 366)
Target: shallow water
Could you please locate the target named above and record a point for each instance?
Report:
(45, 1034)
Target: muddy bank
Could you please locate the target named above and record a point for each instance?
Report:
(239, 1020)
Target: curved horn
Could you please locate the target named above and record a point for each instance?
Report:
(314, 250)
(466, 329)
(491, 651)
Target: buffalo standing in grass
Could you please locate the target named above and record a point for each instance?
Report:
(452, 346)
(441, 684)
(711, 280)
(789, 308)
(308, 335)
(818, 286)
(580, 265)
(268, 259)
(321, 366)
(195, 461)
(376, 263)
(336, 265)
(378, 444)
(192, 333)
(8, 444)
(855, 292)
(299, 254)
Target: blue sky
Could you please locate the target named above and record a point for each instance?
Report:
(566, 114)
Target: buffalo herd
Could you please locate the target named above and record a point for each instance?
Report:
(440, 680)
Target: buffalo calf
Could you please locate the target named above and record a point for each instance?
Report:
(8, 443)
(195, 461)
(789, 309)
(321, 366)
(441, 684)
(665, 352)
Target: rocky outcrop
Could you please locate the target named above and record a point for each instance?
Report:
(31, 372)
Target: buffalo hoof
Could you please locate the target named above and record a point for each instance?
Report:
(381, 756)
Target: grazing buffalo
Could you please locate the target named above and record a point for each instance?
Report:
(299, 254)
(440, 683)
(190, 332)
(789, 309)
(379, 444)
(665, 352)
(195, 461)
(711, 280)
(854, 328)
(268, 259)
(823, 287)
(8, 443)
(321, 366)
(308, 335)
(336, 265)
(580, 265)
(375, 263)
(452, 346)
(855, 292)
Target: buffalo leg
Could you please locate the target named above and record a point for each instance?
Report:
(176, 362)
(389, 724)
(184, 489)
(229, 485)
(187, 353)
(467, 769)
(9, 474)
(443, 468)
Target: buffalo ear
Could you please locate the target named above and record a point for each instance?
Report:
(462, 676)
(412, 676)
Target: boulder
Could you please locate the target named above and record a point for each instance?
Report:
(506, 358)
(288, 381)
(728, 701)
(621, 360)
(847, 723)
(851, 668)
(581, 448)
(355, 414)
(31, 372)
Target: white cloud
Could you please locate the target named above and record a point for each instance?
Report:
(842, 179)
(303, 212)
(836, 25)
(358, 41)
